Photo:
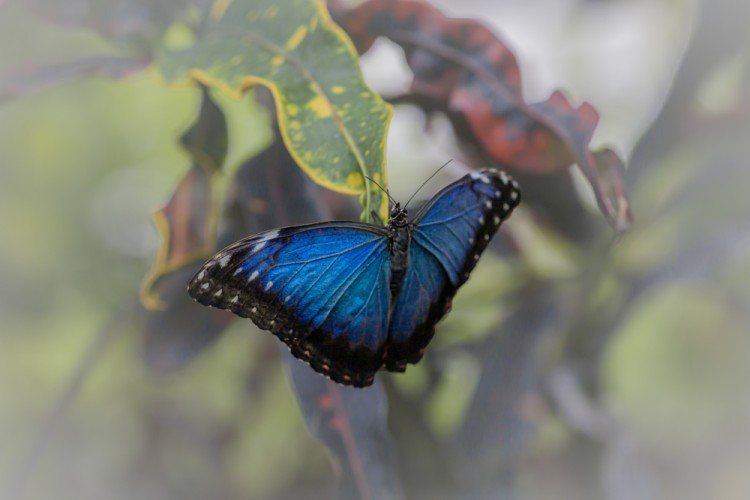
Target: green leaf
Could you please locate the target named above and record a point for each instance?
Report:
(333, 125)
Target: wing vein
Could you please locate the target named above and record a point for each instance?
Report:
(443, 221)
(346, 283)
(450, 230)
(443, 257)
(364, 306)
(323, 257)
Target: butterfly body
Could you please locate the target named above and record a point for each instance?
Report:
(399, 241)
(349, 297)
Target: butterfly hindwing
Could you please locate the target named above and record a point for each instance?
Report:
(448, 236)
(323, 289)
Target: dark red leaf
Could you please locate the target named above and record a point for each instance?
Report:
(461, 68)
(440, 50)
(352, 423)
(187, 223)
(540, 138)
(187, 229)
(188, 215)
(611, 169)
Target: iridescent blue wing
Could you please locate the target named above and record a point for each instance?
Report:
(448, 236)
(323, 289)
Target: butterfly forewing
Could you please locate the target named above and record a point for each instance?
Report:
(322, 289)
(448, 236)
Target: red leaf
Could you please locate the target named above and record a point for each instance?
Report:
(463, 69)
(537, 139)
(186, 227)
(186, 224)
(353, 424)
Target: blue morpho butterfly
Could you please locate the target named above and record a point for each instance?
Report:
(349, 297)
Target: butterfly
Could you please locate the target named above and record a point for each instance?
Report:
(350, 298)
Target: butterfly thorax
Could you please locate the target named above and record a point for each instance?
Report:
(399, 241)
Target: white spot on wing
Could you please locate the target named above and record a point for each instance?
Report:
(201, 275)
(254, 310)
(497, 220)
(498, 194)
(224, 261)
(218, 294)
(514, 196)
(269, 285)
(235, 299)
(253, 276)
(506, 207)
(204, 286)
(263, 240)
(480, 176)
(269, 236)
(286, 299)
(488, 204)
(481, 219)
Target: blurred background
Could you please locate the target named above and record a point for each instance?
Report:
(654, 405)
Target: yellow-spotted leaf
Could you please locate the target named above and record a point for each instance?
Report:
(333, 125)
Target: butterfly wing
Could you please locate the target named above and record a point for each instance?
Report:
(321, 288)
(448, 236)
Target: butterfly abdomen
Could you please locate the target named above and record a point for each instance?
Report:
(400, 239)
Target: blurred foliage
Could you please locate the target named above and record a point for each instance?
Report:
(624, 361)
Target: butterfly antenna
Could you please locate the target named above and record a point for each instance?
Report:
(382, 189)
(425, 182)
